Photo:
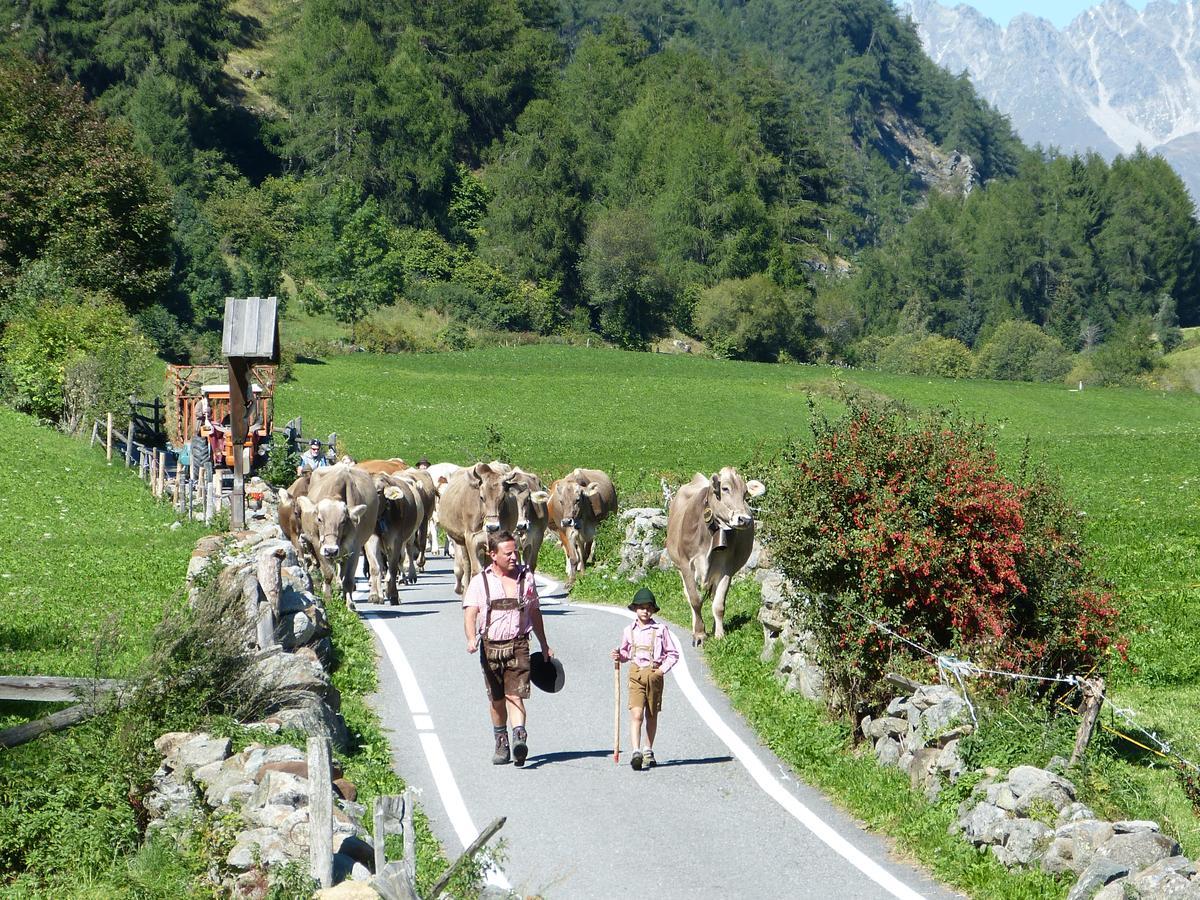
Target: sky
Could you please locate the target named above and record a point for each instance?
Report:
(1060, 12)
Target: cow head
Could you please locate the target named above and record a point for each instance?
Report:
(576, 500)
(493, 492)
(330, 524)
(526, 490)
(727, 507)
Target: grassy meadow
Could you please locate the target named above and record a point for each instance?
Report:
(87, 557)
(1125, 456)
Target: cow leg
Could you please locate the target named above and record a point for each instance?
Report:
(422, 543)
(569, 551)
(395, 556)
(692, 592)
(411, 551)
(373, 557)
(718, 606)
(460, 566)
(349, 568)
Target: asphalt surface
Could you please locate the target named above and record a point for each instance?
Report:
(720, 816)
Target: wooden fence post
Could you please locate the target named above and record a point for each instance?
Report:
(410, 839)
(95, 433)
(129, 445)
(175, 489)
(320, 811)
(108, 441)
(1093, 699)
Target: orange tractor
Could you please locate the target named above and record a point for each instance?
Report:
(200, 405)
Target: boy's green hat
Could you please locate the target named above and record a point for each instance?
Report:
(644, 597)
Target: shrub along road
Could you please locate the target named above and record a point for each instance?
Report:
(701, 824)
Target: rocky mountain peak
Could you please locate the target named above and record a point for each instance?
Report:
(1113, 79)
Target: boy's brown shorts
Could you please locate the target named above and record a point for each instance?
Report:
(505, 667)
(645, 688)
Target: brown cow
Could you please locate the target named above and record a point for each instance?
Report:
(400, 511)
(475, 502)
(338, 516)
(579, 502)
(422, 482)
(289, 515)
(441, 473)
(710, 533)
(383, 466)
(532, 515)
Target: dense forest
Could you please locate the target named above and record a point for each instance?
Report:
(738, 170)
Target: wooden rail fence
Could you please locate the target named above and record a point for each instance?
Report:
(191, 492)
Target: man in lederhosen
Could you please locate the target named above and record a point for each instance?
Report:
(500, 608)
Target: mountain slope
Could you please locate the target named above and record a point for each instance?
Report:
(1111, 80)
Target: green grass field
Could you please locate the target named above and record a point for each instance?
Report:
(1125, 456)
(87, 557)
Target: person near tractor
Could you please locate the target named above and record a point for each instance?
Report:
(651, 651)
(313, 458)
(500, 608)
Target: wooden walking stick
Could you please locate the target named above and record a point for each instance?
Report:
(616, 711)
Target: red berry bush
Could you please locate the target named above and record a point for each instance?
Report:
(905, 519)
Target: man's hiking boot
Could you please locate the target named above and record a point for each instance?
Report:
(500, 757)
(519, 748)
(648, 761)
(636, 761)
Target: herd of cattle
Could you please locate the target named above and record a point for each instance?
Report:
(393, 515)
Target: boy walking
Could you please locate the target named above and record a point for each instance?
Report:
(651, 650)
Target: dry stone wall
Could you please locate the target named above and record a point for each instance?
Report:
(265, 789)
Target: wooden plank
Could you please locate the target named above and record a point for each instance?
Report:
(22, 734)
(410, 839)
(392, 883)
(239, 389)
(475, 847)
(1093, 700)
(320, 811)
(53, 688)
(379, 836)
(250, 327)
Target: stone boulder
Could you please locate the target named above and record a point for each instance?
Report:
(645, 538)
(1137, 849)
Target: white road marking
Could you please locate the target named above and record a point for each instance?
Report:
(759, 772)
(435, 755)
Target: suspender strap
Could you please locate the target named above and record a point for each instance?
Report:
(487, 597)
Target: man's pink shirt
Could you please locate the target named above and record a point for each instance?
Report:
(506, 623)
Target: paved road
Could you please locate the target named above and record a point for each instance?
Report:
(721, 816)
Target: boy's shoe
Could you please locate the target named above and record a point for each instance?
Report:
(519, 749)
(500, 757)
(636, 760)
(648, 759)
